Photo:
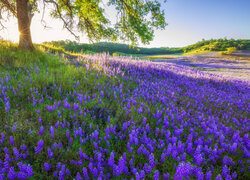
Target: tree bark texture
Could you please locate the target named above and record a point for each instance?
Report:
(25, 41)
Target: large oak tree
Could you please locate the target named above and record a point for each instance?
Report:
(136, 19)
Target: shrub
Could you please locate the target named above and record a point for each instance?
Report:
(231, 50)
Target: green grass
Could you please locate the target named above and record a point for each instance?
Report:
(53, 70)
(162, 56)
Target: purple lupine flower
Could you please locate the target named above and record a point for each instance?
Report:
(67, 171)
(137, 176)
(50, 153)
(198, 159)
(57, 124)
(49, 108)
(121, 165)
(6, 150)
(115, 170)
(151, 160)
(91, 167)
(140, 149)
(81, 154)
(130, 149)
(78, 176)
(163, 155)
(169, 150)
(62, 172)
(7, 106)
(157, 131)
(183, 170)
(208, 175)
(12, 141)
(147, 168)
(29, 171)
(11, 174)
(233, 148)
(66, 104)
(166, 176)
(75, 107)
(70, 141)
(47, 166)
(95, 135)
(219, 177)
(85, 173)
(52, 132)
(41, 130)
(14, 128)
(21, 175)
(6, 164)
(58, 166)
(111, 160)
(234, 175)
(55, 174)
(67, 134)
(156, 175)
(142, 174)
(2, 137)
(40, 119)
(23, 147)
(16, 153)
(200, 175)
(99, 157)
(39, 147)
(225, 171)
(22, 167)
(95, 172)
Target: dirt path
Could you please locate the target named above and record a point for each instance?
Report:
(236, 66)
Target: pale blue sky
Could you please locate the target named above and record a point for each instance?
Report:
(188, 22)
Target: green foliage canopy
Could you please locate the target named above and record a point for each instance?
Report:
(136, 19)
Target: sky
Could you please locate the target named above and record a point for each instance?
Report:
(188, 21)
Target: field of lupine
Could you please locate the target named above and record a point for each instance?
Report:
(103, 117)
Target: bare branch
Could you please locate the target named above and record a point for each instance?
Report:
(42, 19)
(2, 27)
(9, 6)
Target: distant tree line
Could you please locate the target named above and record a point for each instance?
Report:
(111, 48)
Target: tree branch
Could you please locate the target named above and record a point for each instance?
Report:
(9, 6)
(61, 17)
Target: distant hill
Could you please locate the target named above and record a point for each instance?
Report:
(111, 48)
(218, 45)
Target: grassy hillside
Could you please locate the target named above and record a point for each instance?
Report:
(104, 117)
(217, 45)
(223, 45)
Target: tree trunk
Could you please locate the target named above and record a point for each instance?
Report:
(24, 20)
